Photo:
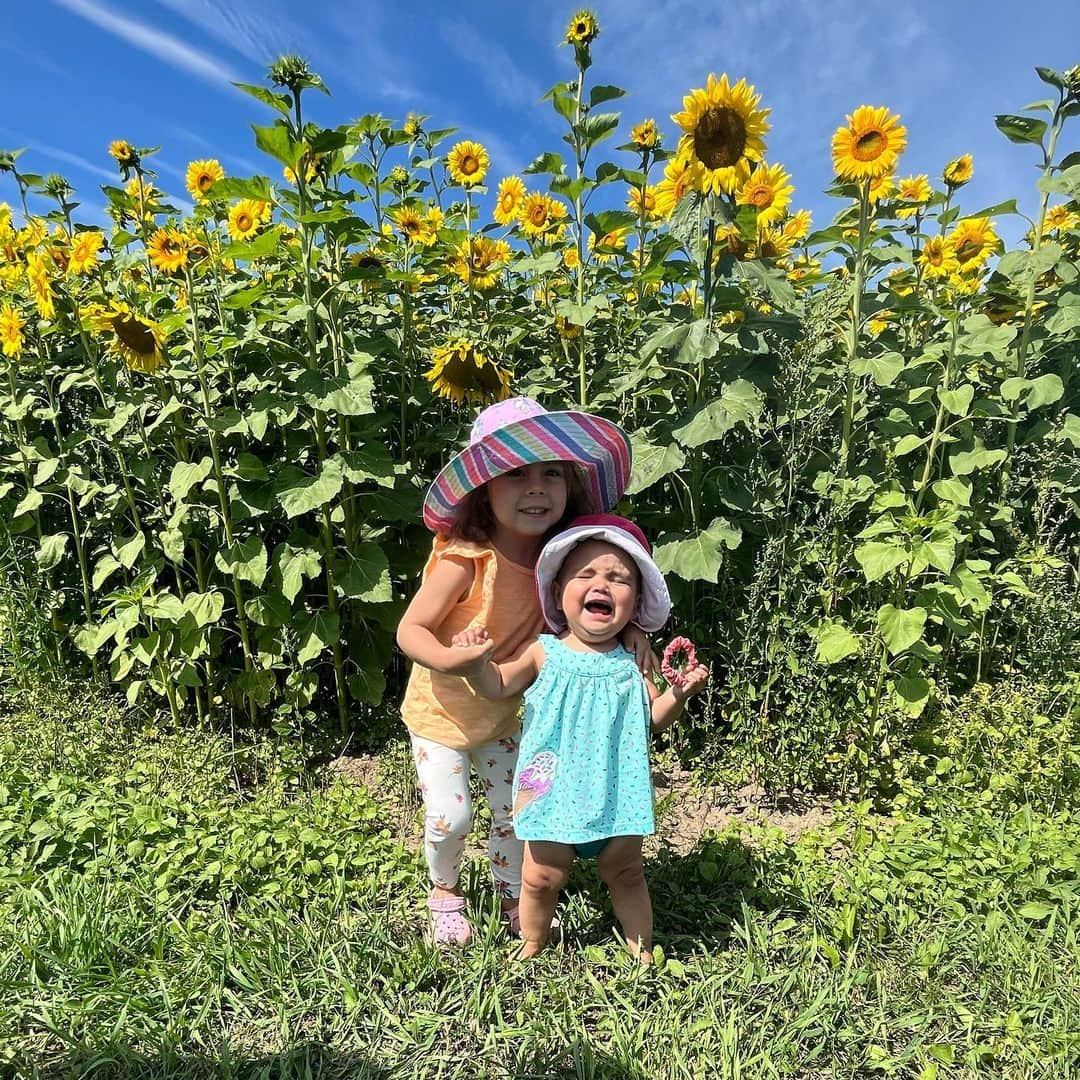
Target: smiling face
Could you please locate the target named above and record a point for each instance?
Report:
(530, 500)
(597, 590)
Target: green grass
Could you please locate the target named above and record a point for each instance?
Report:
(172, 905)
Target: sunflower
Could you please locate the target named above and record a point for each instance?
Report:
(724, 128)
(123, 153)
(32, 235)
(973, 242)
(644, 135)
(798, 225)
(680, 177)
(803, 267)
(965, 284)
(570, 258)
(959, 171)
(914, 190)
(460, 373)
(538, 214)
(11, 332)
(1061, 219)
(201, 177)
(40, 288)
(881, 187)
(900, 282)
(582, 29)
(138, 342)
(642, 204)
(414, 226)
(508, 201)
(566, 329)
(729, 240)
(479, 260)
(771, 244)
(168, 250)
(608, 246)
(869, 145)
(138, 188)
(937, 259)
(83, 253)
(245, 217)
(880, 321)
(311, 169)
(768, 191)
(413, 125)
(468, 163)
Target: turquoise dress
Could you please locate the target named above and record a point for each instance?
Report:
(583, 764)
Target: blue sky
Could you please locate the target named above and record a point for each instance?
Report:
(159, 72)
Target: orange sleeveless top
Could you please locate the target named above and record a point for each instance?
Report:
(444, 708)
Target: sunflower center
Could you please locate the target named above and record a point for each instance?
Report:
(720, 138)
(968, 250)
(134, 333)
(507, 202)
(205, 182)
(538, 215)
(244, 222)
(870, 145)
(469, 164)
(761, 196)
(171, 247)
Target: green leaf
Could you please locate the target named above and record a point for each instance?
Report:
(275, 140)
(130, 550)
(1025, 267)
(317, 634)
(967, 461)
(699, 558)
(268, 609)
(264, 244)
(371, 462)
(364, 574)
(835, 642)
(599, 94)
(546, 163)
(205, 608)
(878, 558)
(300, 493)
(907, 444)
(651, 463)
(245, 559)
(105, 567)
(281, 102)
(172, 543)
(164, 606)
(740, 402)
(953, 490)
(1044, 390)
(885, 369)
(90, 638)
(1035, 911)
(340, 394)
(957, 401)
(1020, 129)
(1066, 183)
(30, 501)
(51, 550)
(295, 564)
(1070, 429)
(185, 475)
(912, 692)
(233, 187)
(900, 627)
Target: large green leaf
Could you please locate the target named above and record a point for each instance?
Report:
(340, 394)
(957, 401)
(294, 564)
(364, 574)
(651, 463)
(966, 462)
(245, 559)
(317, 634)
(51, 550)
(698, 558)
(740, 402)
(275, 140)
(186, 474)
(900, 627)
(878, 558)
(835, 642)
(299, 493)
(204, 607)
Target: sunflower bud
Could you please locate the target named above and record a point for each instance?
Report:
(1072, 80)
(399, 175)
(57, 187)
(294, 73)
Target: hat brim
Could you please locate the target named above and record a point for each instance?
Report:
(600, 447)
(654, 600)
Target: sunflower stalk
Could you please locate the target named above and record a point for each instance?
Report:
(1020, 368)
(931, 450)
(579, 160)
(222, 489)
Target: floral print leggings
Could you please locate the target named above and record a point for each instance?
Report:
(444, 782)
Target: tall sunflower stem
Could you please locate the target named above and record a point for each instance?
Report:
(579, 160)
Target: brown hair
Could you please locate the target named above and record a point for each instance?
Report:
(475, 521)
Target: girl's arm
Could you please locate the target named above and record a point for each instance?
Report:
(668, 706)
(493, 680)
(635, 640)
(449, 581)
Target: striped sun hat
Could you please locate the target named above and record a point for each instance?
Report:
(520, 431)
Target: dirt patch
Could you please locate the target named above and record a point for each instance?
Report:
(687, 810)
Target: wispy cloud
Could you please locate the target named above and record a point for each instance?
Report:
(491, 61)
(172, 50)
(34, 146)
(258, 32)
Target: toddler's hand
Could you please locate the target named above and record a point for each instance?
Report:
(693, 682)
(475, 635)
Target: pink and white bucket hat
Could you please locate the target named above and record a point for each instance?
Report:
(520, 431)
(654, 601)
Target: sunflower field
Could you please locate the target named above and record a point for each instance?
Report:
(856, 445)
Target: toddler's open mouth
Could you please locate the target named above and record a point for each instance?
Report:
(599, 607)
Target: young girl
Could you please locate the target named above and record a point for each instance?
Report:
(525, 472)
(582, 785)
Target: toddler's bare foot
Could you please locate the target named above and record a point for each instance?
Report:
(528, 949)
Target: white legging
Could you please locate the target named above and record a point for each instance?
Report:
(444, 782)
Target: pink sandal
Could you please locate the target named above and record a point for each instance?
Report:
(448, 925)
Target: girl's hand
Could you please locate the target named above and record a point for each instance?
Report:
(471, 652)
(693, 682)
(635, 640)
